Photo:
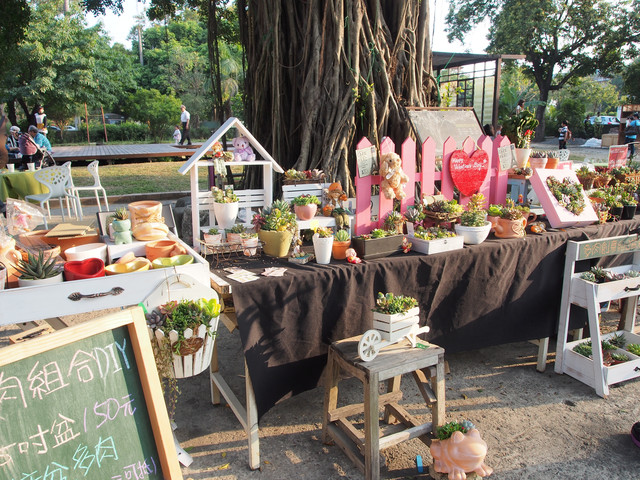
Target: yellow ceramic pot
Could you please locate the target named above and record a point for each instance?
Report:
(276, 244)
(137, 265)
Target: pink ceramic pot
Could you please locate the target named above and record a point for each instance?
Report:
(306, 212)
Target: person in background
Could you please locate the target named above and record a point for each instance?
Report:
(39, 119)
(631, 133)
(185, 118)
(41, 140)
(28, 148)
(12, 144)
(177, 136)
(564, 135)
(499, 130)
(519, 106)
(488, 130)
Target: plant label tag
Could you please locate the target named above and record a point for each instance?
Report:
(507, 156)
(366, 159)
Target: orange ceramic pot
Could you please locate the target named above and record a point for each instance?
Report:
(552, 162)
(163, 248)
(339, 249)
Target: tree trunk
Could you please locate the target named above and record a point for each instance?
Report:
(540, 109)
(322, 74)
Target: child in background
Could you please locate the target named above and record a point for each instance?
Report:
(177, 136)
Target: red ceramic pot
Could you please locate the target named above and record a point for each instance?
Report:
(82, 269)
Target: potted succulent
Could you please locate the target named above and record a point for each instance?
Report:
(537, 159)
(38, 270)
(225, 206)
(473, 226)
(394, 222)
(614, 202)
(121, 226)
(414, 216)
(305, 206)
(184, 335)
(629, 205)
(459, 450)
(586, 177)
(435, 240)
(234, 234)
(249, 243)
(393, 308)
(322, 245)
(552, 160)
(493, 214)
(442, 211)
(378, 243)
(341, 241)
(212, 237)
(568, 193)
(276, 226)
(513, 220)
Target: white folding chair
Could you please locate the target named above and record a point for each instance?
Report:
(56, 179)
(93, 170)
(70, 188)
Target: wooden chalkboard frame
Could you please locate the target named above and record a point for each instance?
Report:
(420, 117)
(133, 318)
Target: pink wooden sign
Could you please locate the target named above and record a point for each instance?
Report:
(617, 156)
(469, 172)
(558, 216)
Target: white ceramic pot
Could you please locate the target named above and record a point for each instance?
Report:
(522, 157)
(473, 235)
(88, 250)
(226, 214)
(40, 281)
(322, 248)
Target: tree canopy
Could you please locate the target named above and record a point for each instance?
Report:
(575, 38)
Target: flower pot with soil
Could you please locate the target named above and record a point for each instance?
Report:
(276, 226)
(212, 237)
(322, 245)
(249, 244)
(305, 206)
(225, 206)
(341, 242)
(38, 270)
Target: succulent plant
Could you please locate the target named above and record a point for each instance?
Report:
(223, 196)
(121, 214)
(538, 154)
(341, 236)
(37, 267)
(324, 232)
(473, 218)
(155, 319)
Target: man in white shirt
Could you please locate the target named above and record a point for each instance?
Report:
(185, 118)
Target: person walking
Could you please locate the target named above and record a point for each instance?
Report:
(631, 133)
(564, 135)
(185, 118)
(39, 119)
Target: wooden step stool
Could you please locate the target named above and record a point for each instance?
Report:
(391, 363)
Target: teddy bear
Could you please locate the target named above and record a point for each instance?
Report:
(393, 177)
(243, 150)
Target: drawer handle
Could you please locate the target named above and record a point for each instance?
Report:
(75, 296)
(632, 289)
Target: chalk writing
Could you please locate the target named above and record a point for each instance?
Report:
(608, 246)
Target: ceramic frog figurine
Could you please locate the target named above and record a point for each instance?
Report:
(459, 454)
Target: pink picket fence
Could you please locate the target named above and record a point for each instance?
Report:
(494, 186)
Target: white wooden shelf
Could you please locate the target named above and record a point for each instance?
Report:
(583, 293)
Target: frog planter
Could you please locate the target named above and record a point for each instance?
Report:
(459, 454)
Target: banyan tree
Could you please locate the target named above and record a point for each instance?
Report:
(321, 74)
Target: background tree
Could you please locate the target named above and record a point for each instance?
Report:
(631, 81)
(159, 111)
(575, 38)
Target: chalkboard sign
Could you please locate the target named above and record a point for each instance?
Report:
(85, 402)
(608, 246)
(440, 124)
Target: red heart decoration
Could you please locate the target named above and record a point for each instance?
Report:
(468, 173)
(81, 269)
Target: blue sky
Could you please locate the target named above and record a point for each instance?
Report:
(118, 27)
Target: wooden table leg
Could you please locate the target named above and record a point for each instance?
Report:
(252, 422)
(393, 385)
(214, 368)
(437, 385)
(371, 428)
(330, 393)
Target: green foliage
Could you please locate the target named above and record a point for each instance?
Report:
(519, 128)
(324, 232)
(631, 81)
(37, 267)
(341, 236)
(390, 303)
(223, 196)
(121, 213)
(618, 340)
(157, 110)
(583, 349)
(619, 357)
(213, 231)
(305, 199)
(573, 111)
(449, 428)
(277, 218)
(379, 233)
(432, 233)
(237, 228)
(634, 348)
(472, 218)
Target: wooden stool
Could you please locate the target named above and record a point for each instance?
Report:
(391, 363)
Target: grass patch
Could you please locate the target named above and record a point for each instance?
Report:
(131, 178)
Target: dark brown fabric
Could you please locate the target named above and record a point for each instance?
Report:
(498, 292)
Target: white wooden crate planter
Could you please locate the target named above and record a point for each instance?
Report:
(589, 295)
(395, 326)
(436, 246)
(581, 368)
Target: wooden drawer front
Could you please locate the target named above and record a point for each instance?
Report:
(628, 287)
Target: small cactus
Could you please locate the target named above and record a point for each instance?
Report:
(37, 268)
(121, 214)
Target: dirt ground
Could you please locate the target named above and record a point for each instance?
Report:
(537, 425)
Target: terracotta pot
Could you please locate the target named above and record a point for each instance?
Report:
(276, 244)
(462, 452)
(537, 162)
(81, 269)
(552, 162)
(250, 246)
(339, 249)
(234, 238)
(494, 221)
(52, 251)
(212, 239)
(510, 228)
(145, 211)
(305, 212)
(163, 248)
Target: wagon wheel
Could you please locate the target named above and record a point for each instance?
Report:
(369, 344)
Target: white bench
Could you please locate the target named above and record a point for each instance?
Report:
(289, 192)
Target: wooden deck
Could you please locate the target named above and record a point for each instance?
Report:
(117, 152)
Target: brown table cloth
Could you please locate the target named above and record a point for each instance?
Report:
(498, 292)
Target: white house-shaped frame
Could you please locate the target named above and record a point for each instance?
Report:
(249, 199)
